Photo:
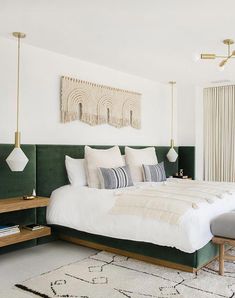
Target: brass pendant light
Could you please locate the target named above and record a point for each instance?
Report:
(17, 160)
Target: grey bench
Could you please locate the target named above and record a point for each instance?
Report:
(223, 229)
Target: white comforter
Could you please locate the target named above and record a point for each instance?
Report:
(88, 209)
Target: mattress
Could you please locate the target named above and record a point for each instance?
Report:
(88, 210)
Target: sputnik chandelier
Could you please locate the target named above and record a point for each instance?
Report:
(225, 58)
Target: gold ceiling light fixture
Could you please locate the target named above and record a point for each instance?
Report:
(230, 54)
(17, 160)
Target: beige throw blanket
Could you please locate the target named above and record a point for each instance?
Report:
(171, 200)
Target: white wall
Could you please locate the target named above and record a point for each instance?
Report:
(40, 101)
(199, 133)
(186, 114)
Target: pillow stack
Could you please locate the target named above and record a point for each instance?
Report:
(106, 168)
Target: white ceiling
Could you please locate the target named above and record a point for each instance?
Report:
(155, 39)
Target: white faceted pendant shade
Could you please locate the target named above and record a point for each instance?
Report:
(172, 155)
(17, 160)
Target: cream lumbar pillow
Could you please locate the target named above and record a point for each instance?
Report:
(135, 158)
(101, 158)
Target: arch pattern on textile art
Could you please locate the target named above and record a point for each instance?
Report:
(97, 104)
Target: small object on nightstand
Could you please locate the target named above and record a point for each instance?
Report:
(181, 177)
(29, 197)
(33, 227)
(33, 196)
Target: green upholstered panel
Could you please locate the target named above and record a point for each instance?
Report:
(195, 260)
(187, 160)
(51, 172)
(22, 217)
(206, 253)
(17, 183)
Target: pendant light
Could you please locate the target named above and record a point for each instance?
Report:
(172, 154)
(17, 160)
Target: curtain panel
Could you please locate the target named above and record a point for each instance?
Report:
(219, 133)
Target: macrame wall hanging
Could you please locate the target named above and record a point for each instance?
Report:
(97, 104)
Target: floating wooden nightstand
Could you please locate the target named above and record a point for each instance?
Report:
(17, 204)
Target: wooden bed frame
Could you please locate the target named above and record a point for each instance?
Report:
(132, 255)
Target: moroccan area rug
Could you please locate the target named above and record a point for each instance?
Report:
(106, 275)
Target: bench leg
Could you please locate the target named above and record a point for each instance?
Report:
(221, 259)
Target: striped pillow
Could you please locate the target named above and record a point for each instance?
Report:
(115, 177)
(154, 173)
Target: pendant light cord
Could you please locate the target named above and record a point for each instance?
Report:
(18, 86)
(172, 113)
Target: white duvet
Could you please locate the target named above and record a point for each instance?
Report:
(88, 209)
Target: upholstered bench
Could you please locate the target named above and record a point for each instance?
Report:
(223, 229)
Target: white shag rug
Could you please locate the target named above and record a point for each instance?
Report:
(105, 275)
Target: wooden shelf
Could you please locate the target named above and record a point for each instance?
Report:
(16, 204)
(24, 235)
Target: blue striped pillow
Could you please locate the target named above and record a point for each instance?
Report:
(154, 173)
(115, 177)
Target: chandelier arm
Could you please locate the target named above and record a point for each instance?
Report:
(220, 56)
(230, 56)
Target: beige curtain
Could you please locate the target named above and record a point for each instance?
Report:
(219, 133)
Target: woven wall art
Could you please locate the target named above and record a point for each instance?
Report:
(97, 104)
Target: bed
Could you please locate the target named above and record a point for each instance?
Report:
(88, 210)
(51, 174)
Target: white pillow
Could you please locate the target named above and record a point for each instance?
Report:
(101, 158)
(135, 158)
(76, 171)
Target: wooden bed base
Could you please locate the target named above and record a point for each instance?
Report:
(125, 253)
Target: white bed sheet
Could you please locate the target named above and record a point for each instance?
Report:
(87, 209)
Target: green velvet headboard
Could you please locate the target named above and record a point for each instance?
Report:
(51, 172)
(45, 170)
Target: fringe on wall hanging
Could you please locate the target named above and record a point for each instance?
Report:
(97, 104)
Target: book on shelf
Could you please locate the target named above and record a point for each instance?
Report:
(9, 230)
(33, 227)
(8, 227)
